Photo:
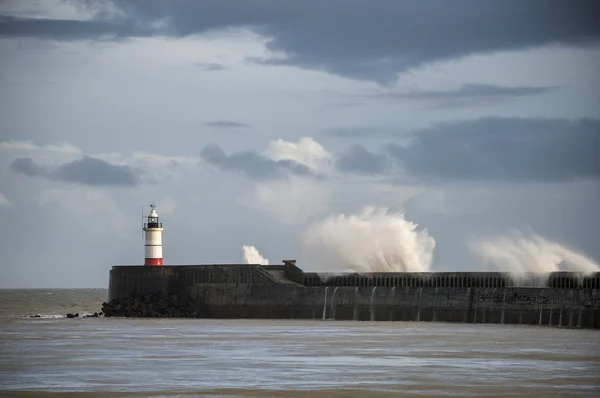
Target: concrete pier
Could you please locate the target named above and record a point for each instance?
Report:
(285, 291)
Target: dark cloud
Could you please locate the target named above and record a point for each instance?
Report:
(361, 161)
(211, 66)
(225, 124)
(467, 95)
(504, 149)
(476, 90)
(96, 172)
(353, 38)
(88, 171)
(65, 29)
(359, 132)
(252, 164)
(28, 167)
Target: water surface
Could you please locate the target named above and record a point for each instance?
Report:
(192, 357)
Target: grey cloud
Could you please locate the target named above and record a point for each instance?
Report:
(357, 39)
(64, 29)
(252, 164)
(477, 90)
(210, 66)
(225, 124)
(467, 95)
(357, 132)
(96, 172)
(504, 149)
(28, 167)
(88, 171)
(361, 161)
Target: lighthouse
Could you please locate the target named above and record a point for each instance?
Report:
(153, 243)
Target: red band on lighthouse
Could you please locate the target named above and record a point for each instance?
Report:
(153, 245)
(153, 261)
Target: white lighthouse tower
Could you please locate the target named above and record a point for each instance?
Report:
(153, 244)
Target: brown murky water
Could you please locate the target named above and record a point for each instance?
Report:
(168, 357)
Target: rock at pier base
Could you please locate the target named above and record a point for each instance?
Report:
(150, 306)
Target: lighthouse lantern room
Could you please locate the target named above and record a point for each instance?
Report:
(153, 243)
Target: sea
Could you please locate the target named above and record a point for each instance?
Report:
(52, 355)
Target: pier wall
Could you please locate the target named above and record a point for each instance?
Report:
(254, 291)
(530, 306)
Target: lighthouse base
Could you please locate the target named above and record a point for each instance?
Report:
(153, 262)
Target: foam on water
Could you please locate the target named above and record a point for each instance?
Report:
(45, 316)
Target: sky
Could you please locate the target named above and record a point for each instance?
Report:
(326, 132)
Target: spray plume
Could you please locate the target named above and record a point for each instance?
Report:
(251, 255)
(374, 240)
(518, 254)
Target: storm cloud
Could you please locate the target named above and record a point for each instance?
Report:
(474, 118)
(28, 167)
(225, 124)
(360, 160)
(252, 164)
(475, 90)
(359, 132)
(210, 66)
(87, 171)
(357, 39)
(467, 95)
(504, 149)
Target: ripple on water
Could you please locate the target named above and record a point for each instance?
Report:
(257, 358)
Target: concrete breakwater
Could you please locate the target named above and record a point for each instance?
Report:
(285, 291)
